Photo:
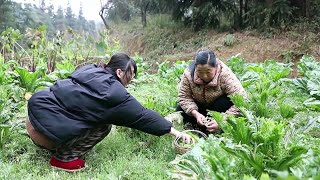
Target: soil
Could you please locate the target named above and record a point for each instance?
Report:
(253, 47)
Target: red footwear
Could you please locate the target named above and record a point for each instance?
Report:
(70, 166)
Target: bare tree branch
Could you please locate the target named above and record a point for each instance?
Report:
(102, 12)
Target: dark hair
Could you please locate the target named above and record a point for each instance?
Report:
(122, 61)
(203, 57)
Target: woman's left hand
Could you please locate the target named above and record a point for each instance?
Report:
(212, 126)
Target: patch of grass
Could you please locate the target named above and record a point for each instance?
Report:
(118, 156)
(161, 37)
(229, 40)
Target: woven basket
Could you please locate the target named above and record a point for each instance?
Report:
(181, 149)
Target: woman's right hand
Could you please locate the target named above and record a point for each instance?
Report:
(185, 138)
(201, 119)
(212, 126)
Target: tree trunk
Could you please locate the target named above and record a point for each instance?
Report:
(269, 3)
(197, 3)
(143, 9)
(240, 14)
(103, 19)
(302, 7)
(143, 18)
(245, 10)
(307, 9)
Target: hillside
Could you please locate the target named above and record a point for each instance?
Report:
(162, 40)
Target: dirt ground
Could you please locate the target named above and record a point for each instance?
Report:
(253, 47)
(256, 49)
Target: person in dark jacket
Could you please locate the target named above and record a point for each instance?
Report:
(76, 113)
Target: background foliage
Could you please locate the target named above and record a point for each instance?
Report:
(21, 17)
(221, 14)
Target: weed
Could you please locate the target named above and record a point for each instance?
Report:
(229, 40)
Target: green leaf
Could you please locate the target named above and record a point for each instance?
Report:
(238, 100)
(312, 103)
(4, 132)
(101, 46)
(286, 111)
(292, 158)
(28, 80)
(264, 97)
(301, 83)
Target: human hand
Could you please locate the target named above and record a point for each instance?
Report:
(186, 138)
(201, 119)
(212, 126)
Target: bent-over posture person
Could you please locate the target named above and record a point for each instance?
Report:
(206, 85)
(76, 113)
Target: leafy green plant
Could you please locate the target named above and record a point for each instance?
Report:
(237, 65)
(309, 68)
(6, 113)
(311, 165)
(188, 168)
(28, 80)
(238, 130)
(142, 66)
(312, 103)
(302, 84)
(207, 160)
(263, 83)
(259, 142)
(163, 107)
(307, 64)
(64, 69)
(221, 164)
(4, 133)
(229, 40)
(172, 73)
(286, 111)
(8, 40)
(314, 87)
(3, 71)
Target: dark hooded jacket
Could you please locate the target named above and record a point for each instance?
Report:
(90, 97)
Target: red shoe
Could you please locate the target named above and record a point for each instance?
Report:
(70, 166)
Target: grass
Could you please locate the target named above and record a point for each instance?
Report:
(118, 156)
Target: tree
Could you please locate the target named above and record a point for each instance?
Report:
(205, 13)
(144, 5)
(43, 5)
(51, 10)
(59, 20)
(70, 17)
(118, 9)
(82, 21)
(6, 14)
(103, 12)
(92, 28)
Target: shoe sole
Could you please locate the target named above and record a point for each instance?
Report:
(68, 170)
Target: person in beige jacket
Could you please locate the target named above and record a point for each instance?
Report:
(206, 85)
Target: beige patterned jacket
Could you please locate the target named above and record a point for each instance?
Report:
(224, 82)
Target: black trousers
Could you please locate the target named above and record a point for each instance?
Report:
(221, 104)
